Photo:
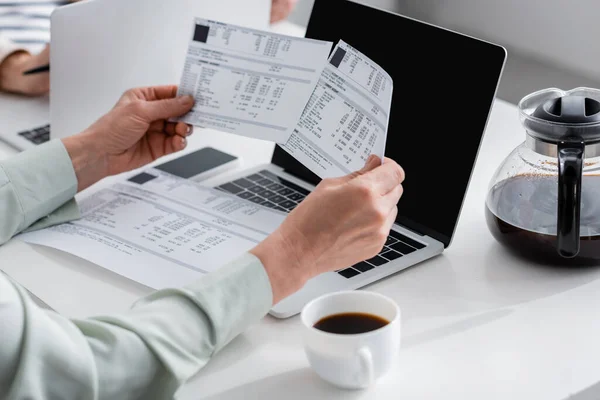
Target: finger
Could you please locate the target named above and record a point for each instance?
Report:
(391, 199)
(372, 162)
(170, 128)
(391, 219)
(162, 145)
(157, 126)
(385, 177)
(170, 108)
(151, 93)
(174, 128)
(183, 129)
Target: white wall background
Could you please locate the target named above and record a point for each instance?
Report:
(564, 33)
(550, 43)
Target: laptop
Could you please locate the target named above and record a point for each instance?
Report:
(444, 86)
(84, 33)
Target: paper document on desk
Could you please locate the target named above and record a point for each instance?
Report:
(249, 82)
(161, 230)
(346, 118)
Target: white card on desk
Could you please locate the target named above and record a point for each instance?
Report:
(346, 118)
(161, 230)
(249, 82)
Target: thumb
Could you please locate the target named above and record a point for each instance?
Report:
(169, 108)
(372, 162)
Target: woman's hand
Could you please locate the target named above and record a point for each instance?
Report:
(281, 9)
(12, 78)
(342, 222)
(134, 133)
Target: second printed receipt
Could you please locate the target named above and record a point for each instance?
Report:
(249, 82)
(346, 118)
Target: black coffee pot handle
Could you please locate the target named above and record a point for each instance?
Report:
(570, 168)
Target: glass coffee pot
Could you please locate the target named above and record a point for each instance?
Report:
(544, 200)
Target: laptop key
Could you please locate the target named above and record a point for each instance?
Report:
(391, 255)
(256, 189)
(245, 195)
(296, 197)
(269, 174)
(390, 240)
(264, 182)
(255, 177)
(363, 266)
(348, 273)
(267, 194)
(275, 187)
(278, 199)
(377, 261)
(407, 240)
(268, 204)
(281, 209)
(402, 248)
(231, 188)
(287, 204)
(245, 183)
(256, 199)
(285, 192)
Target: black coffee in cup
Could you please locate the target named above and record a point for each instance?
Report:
(351, 323)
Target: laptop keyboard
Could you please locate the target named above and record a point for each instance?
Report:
(37, 135)
(269, 190)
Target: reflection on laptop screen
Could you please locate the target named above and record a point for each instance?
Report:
(444, 86)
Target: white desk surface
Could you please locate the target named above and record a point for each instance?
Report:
(478, 323)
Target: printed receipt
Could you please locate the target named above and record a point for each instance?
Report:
(249, 82)
(161, 230)
(346, 118)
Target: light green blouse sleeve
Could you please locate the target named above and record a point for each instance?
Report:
(37, 188)
(145, 353)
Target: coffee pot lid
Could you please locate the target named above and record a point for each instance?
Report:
(553, 115)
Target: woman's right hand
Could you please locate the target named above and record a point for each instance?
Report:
(342, 222)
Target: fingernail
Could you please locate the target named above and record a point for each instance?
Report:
(183, 142)
(189, 130)
(186, 100)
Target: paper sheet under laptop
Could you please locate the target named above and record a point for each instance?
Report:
(329, 113)
(161, 230)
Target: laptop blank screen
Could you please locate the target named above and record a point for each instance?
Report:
(444, 86)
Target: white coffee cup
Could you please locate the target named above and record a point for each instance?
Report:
(352, 361)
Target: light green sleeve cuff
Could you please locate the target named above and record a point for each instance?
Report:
(182, 328)
(144, 353)
(37, 187)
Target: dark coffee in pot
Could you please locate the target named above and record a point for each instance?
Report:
(521, 213)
